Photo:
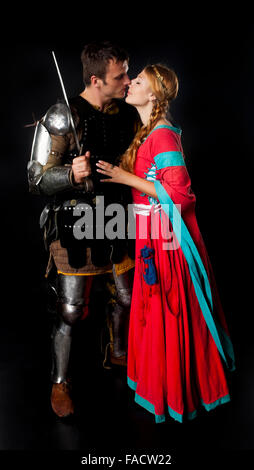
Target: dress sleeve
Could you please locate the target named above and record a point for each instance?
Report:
(171, 170)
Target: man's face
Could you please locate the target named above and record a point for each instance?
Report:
(116, 80)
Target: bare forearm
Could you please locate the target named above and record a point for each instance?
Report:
(141, 184)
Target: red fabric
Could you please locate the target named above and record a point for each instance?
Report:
(171, 354)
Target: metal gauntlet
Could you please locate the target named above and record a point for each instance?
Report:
(59, 178)
(55, 179)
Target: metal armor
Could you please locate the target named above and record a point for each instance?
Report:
(70, 310)
(57, 122)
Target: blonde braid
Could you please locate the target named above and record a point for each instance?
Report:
(128, 159)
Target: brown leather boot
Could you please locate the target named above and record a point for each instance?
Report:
(61, 401)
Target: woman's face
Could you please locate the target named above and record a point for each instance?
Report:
(140, 92)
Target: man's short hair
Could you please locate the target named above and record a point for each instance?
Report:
(96, 56)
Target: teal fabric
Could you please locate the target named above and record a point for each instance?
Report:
(220, 401)
(177, 416)
(197, 272)
(172, 158)
(149, 407)
(165, 126)
(132, 384)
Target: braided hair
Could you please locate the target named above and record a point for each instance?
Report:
(164, 84)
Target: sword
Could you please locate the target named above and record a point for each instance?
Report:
(68, 105)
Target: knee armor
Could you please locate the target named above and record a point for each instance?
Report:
(123, 288)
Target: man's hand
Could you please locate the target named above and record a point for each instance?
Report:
(81, 168)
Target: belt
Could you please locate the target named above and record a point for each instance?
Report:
(145, 209)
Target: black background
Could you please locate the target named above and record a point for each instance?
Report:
(213, 57)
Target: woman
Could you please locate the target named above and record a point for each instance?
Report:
(178, 337)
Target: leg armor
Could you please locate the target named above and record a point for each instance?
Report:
(70, 309)
(120, 313)
(61, 346)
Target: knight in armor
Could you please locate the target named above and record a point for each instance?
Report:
(105, 126)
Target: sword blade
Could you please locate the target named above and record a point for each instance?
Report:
(67, 102)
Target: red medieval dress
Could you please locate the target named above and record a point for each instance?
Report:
(178, 337)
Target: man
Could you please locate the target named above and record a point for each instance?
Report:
(105, 126)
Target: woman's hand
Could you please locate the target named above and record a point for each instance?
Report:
(116, 174)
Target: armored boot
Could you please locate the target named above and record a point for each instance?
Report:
(61, 401)
(70, 310)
